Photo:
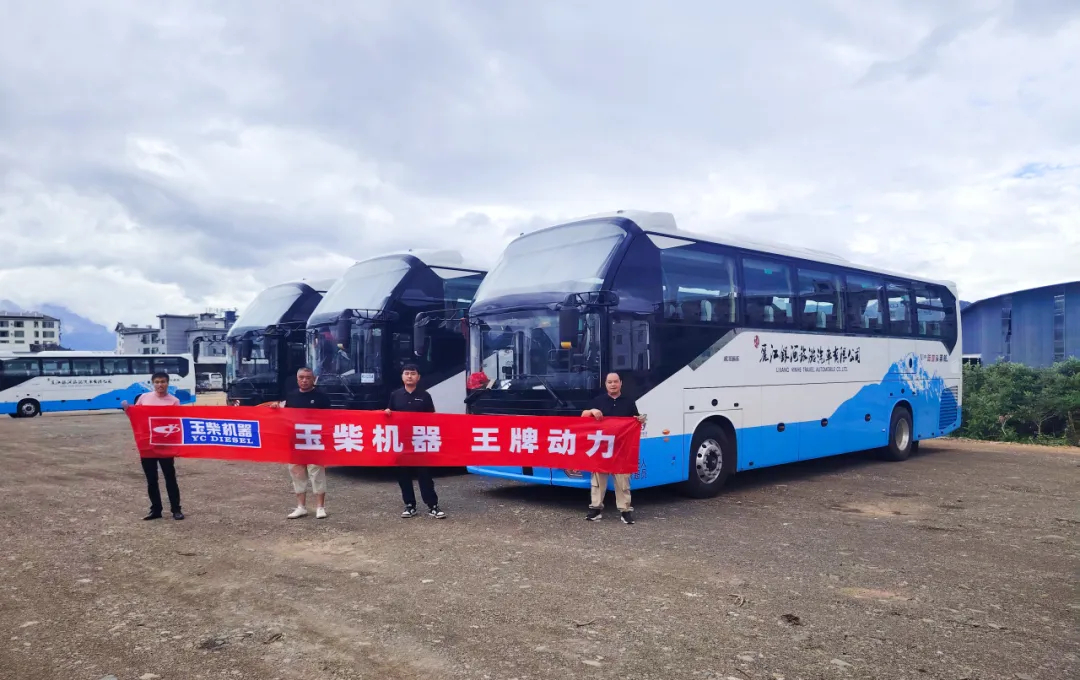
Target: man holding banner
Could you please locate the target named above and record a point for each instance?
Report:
(307, 396)
(413, 399)
(613, 405)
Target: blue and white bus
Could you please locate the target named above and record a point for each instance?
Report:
(42, 382)
(743, 355)
(388, 311)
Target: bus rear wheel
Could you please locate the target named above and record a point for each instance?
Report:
(712, 461)
(901, 436)
(27, 408)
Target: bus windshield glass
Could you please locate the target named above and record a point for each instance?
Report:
(269, 307)
(567, 259)
(520, 350)
(261, 362)
(365, 286)
(364, 355)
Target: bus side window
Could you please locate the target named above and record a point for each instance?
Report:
(116, 367)
(821, 297)
(864, 304)
(140, 367)
(699, 284)
(86, 367)
(899, 298)
(768, 293)
(56, 367)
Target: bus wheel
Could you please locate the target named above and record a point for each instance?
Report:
(28, 408)
(712, 460)
(901, 439)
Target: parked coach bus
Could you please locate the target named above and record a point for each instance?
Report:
(265, 347)
(743, 355)
(32, 384)
(389, 311)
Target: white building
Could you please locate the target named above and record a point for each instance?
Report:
(180, 334)
(137, 340)
(21, 331)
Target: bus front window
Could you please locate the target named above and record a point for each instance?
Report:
(262, 361)
(520, 350)
(567, 259)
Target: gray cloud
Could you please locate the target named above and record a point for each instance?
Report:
(171, 156)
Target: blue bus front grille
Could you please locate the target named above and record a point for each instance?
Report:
(950, 408)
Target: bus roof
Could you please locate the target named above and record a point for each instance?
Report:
(77, 354)
(663, 223)
(452, 259)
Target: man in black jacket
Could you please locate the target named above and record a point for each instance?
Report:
(612, 405)
(307, 396)
(413, 399)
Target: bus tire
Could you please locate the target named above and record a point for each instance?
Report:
(901, 435)
(712, 461)
(28, 408)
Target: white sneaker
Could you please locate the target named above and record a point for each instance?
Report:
(320, 513)
(298, 513)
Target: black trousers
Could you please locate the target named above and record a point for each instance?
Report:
(427, 486)
(168, 470)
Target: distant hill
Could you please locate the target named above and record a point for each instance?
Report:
(77, 332)
(964, 305)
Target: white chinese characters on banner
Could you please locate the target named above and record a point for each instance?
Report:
(385, 439)
(308, 437)
(562, 442)
(524, 440)
(600, 439)
(426, 439)
(485, 439)
(348, 437)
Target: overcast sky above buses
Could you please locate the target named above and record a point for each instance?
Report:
(173, 156)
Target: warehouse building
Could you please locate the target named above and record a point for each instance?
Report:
(1036, 327)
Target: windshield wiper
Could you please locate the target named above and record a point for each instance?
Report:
(540, 379)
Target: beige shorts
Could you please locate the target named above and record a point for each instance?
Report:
(301, 474)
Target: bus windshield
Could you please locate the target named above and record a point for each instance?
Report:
(365, 285)
(269, 307)
(566, 259)
(520, 350)
(364, 356)
(261, 363)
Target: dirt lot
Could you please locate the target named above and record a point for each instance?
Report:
(959, 563)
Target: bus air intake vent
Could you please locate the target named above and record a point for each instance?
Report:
(950, 407)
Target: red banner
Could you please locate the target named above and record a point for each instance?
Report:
(373, 438)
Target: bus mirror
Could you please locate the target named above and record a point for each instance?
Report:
(420, 337)
(343, 332)
(569, 319)
(195, 350)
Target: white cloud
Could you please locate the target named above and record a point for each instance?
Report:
(176, 156)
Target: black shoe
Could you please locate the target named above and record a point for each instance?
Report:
(595, 515)
(178, 515)
(153, 515)
(436, 513)
(410, 511)
(628, 517)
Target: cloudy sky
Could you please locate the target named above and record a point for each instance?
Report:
(171, 156)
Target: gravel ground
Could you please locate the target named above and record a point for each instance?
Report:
(959, 563)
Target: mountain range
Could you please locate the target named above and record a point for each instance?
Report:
(76, 332)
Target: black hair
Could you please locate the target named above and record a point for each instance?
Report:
(410, 367)
(159, 374)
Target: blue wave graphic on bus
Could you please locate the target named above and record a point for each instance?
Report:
(935, 412)
(108, 400)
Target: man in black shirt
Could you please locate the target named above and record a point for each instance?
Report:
(613, 405)
(307, 396)
(413, 399)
